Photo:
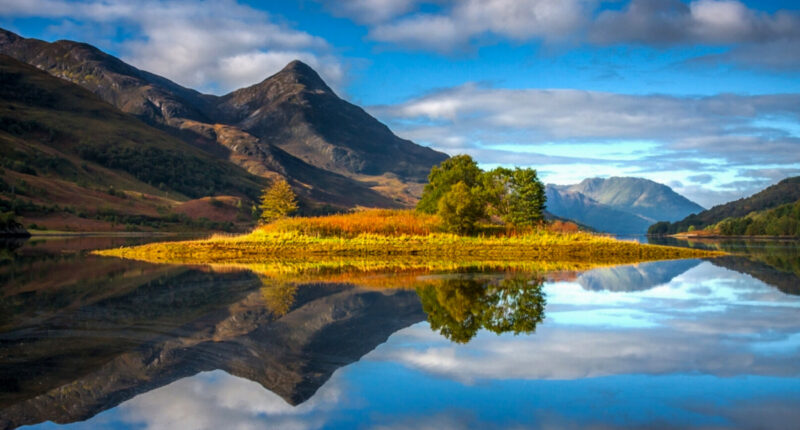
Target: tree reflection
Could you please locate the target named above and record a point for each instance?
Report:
(278, 296)
(459, 307)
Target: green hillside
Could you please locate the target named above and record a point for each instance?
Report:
(67, 152)
(785, 192)
(783, 220)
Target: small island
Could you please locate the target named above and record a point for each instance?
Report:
(464, 214)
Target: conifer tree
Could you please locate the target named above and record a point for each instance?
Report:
(277, 201)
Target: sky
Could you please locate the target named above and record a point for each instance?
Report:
(701, 95)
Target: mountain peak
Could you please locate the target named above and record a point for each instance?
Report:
(301, 73)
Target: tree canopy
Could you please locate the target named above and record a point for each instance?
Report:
(460, 209)
(460, 168)
(462, 194)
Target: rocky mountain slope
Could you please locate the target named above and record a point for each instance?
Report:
(290, 125)
(296, 110)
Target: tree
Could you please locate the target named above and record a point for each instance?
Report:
(277, 201)
(526, 197)
(460, 168)
(460, 209)
(495, 185)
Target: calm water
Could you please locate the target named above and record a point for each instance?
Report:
(93, 342)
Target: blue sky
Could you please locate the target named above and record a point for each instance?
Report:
(702, 95)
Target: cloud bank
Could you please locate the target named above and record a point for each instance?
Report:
(215, 46)
(751, 37)
(684, 133)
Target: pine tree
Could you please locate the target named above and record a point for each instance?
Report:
(277, 201)
(527, 198)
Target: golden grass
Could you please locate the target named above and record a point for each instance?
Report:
(386, 235)
(383, 222)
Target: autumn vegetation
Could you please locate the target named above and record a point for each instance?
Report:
(464, 214)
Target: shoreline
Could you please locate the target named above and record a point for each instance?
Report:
(720, 236)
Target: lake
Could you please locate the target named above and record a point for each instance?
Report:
(91, 342)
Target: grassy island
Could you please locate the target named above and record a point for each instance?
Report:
(400, 234)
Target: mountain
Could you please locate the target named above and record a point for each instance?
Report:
(575, 206)
(148, 96)
(784, 192)
(69, 155)
(296, 110)
(639, 196)
(291, 125)
(618, 205)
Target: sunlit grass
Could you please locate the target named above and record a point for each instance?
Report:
(386, 235)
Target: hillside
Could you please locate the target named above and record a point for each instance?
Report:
(291, 125)
(783, 220)
(784, 192)
(71, 159)
(639, 196)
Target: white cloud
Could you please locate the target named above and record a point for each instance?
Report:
(210, 45)
(739, 314)
(550, 20)
(690, 135)
(215, 400)
(370, 11)
(754, 38)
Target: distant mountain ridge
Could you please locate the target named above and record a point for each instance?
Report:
(290, 125)
(620, 205)
(785, 191)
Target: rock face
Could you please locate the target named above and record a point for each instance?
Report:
(618, 205)
(291, 125)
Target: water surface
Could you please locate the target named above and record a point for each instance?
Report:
(92, 342)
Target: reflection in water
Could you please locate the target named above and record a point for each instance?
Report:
(80, 334)
(679, 344)
(775, 262)
(460, 306)
(635, 277)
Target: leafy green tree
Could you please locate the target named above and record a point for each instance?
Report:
(460, 209)
(495, 185)
(277, 201)
(460, 168)
(526, 198)
(459, 307)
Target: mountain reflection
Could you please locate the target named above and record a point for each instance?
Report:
(774, 262)
(80, 334)
(636, 277)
